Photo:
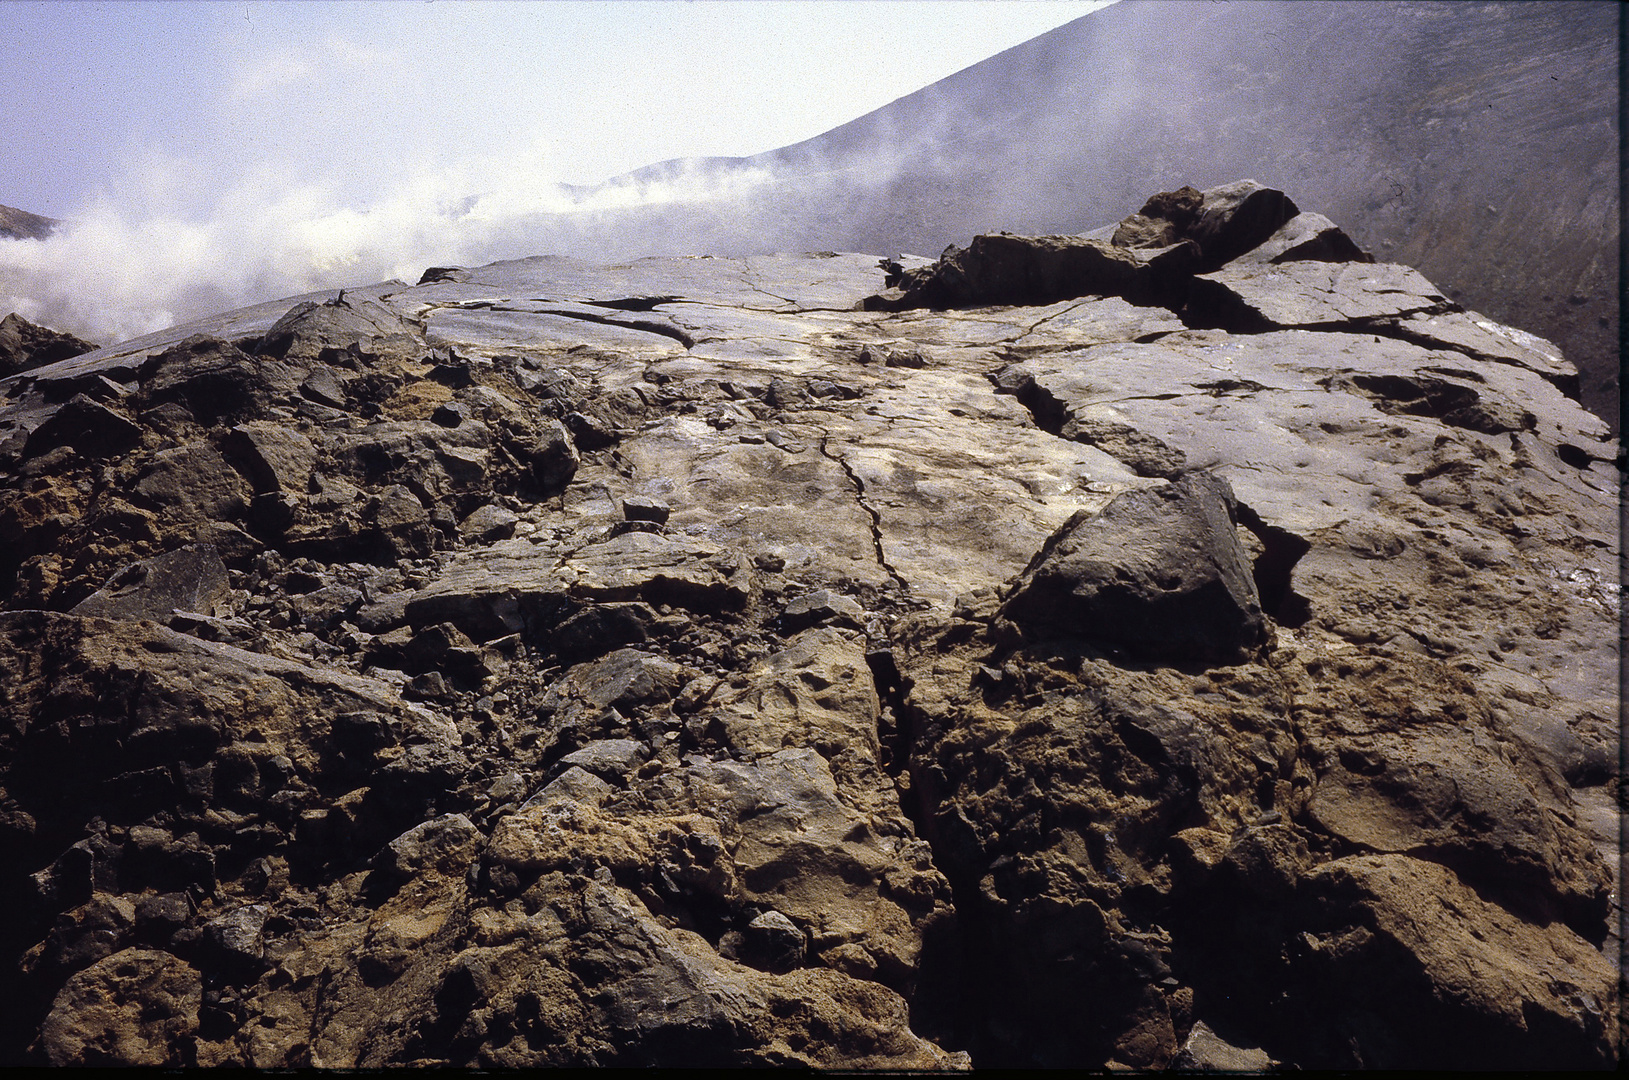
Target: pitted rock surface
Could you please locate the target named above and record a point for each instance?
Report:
(790, 661)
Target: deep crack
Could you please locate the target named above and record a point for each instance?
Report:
(627, 324)
(876, 519)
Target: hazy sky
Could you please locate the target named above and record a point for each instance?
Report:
(206, 155)
(355, 96)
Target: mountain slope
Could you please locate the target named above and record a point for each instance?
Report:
(18, 224)
(1476, 141)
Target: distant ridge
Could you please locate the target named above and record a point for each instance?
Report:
(18, 224)
(1477, 142)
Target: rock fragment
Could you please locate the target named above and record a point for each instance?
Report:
(86, 425)
(645, 508)
(1234, 218)
(489, 523)
(1206, 1051)
(1006, 269)
(279, 459)
(821, 607)
(1158, 573)
(191, 578)
(1144, 454)
(1306, 237)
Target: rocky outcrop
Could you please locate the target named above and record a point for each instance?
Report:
(24, 346)
(679, 664)
(1165, 255)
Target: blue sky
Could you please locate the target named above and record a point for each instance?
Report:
(206, 155)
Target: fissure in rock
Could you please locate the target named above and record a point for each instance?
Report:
(871, 513)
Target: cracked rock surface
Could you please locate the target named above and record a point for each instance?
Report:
(678, 663)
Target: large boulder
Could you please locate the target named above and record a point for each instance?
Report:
(211, 378)
(90, 427)
(1233, 218)
(133, 1008)
(1222, 223)
(1007, 269)
(1147, 258)
(1158, 573)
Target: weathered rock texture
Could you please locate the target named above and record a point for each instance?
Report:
(676, 663)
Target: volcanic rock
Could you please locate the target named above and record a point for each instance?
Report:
(1478, 144)
(191, 578)
(1121, 659)
(1006, 269)
(24, 346)
(1159, 573)
(132, 1008)
(87, 426)
(1304, 237)
(1147, 259)
(645, 508)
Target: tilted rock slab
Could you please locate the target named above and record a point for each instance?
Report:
(677, 663)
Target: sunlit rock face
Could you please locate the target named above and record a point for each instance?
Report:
(796, 660)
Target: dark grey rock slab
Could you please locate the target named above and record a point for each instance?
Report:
(188, 579)
(1233, 218)
(196, 482)
(86, 425)
(1306, 238)
(645, 508)
(1158, 573)
(310, 329)
(1309, 294)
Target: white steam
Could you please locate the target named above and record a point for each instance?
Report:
(248, 152)
(121, 268)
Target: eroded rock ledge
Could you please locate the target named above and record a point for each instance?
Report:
(1190, 644)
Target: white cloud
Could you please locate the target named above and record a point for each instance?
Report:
(263, 70)
(264, 73)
